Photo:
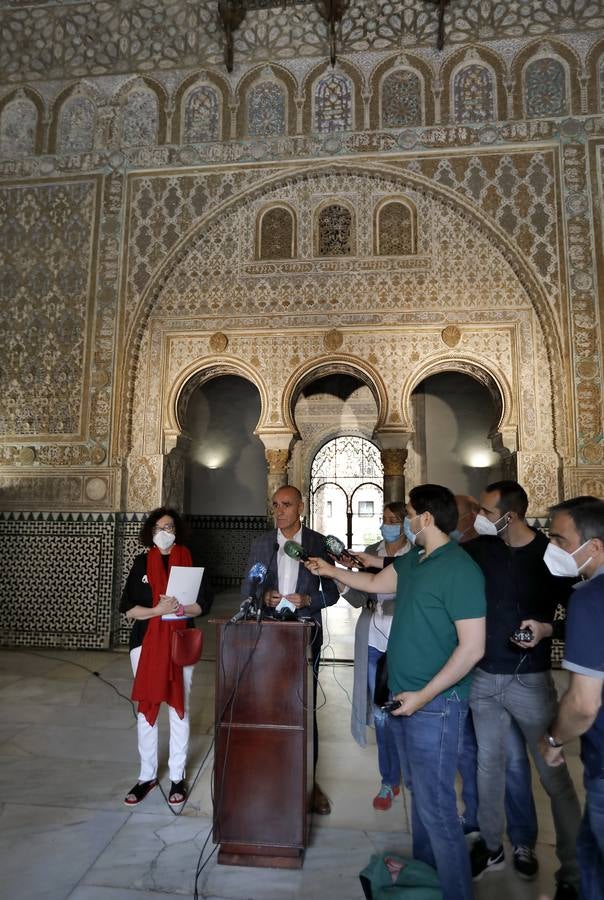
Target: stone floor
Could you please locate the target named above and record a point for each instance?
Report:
(68, 757)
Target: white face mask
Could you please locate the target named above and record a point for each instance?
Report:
(561, 562)
(163, 540)
(482, 525)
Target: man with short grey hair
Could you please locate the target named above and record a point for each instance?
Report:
(577, 548)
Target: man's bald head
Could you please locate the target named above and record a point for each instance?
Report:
(287, 509)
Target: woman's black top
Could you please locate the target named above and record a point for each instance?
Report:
(137, 592)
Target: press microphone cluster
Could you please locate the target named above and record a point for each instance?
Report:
(252, 605)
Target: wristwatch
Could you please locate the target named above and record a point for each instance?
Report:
(551, 740)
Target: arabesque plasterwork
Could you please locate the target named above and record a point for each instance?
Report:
(131, 273)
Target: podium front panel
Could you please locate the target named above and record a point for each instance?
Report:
(263, 771)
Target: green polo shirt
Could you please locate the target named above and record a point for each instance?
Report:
(432, 593)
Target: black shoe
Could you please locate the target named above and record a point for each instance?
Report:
(484, 860)
(526, 863)
(566, 891)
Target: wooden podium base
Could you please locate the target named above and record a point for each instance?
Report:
(260, 856)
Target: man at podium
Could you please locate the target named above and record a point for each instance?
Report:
(288, 580)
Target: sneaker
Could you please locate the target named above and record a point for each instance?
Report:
(526, 863)
(470, 832)
(383, 800)
(484, 860)
(566, 891)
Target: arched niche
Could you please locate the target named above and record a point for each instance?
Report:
(198, 374)
(333, 365)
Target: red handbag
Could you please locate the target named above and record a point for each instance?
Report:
(186, 646)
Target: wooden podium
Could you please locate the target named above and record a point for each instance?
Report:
(263, 770)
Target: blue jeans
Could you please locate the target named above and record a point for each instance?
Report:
(429, 743)
(388, 762)
(590, 842)
(520, 812)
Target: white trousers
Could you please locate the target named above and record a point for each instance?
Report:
(179, 733)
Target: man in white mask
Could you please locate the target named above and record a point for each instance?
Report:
(513, 684)
(577, 545)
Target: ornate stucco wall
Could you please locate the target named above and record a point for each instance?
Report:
(135, 175)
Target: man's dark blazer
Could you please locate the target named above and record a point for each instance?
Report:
(263, 551)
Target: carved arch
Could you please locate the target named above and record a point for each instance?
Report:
(406, 62)
(484, 371)
(198, 373)
(34, 97)
(594, 67)
(198, 79)
(343, 67)
(473, 56)
(77, 89)
(408, 180)
(539, 50)
(272, 73)
(161, 96)
(316, 217)
(267, 209)
(379, 207)
(335, 363)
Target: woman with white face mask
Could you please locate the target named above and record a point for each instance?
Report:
(156, 678)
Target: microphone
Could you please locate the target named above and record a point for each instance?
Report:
(336, 548)
(243, 610)
(295, 551)
(257, 573)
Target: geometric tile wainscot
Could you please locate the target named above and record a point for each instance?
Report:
(63, 573)
(56, 588)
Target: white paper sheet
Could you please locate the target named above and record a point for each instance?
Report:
(183, 583)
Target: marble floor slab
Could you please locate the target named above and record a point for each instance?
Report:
(68, 757)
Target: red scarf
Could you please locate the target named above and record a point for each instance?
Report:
(157, 678)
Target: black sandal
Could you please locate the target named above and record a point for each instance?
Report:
(140, 791)
(177, 789)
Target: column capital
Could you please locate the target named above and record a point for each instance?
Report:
(393, 460)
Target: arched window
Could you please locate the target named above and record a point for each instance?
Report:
(18, 128)
(545, 88)
(334, 231)
(333, 103)
(140, 118)
(395, 230)
(76, 125)
(265, 109)
(276, 235)
(473, 94)
(601, 83)
(201, 115)
(401, 99)
(346, 490)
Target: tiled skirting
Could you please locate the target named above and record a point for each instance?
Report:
(63, 573)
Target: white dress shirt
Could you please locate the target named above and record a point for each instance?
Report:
(287, 568)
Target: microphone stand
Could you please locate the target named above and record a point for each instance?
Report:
(259, 592)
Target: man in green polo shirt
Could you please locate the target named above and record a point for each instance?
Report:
(437, 637)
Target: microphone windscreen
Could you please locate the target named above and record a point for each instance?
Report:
(334, 545)
(258, 571)
(295, 550)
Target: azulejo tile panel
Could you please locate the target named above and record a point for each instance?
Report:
(57, 584)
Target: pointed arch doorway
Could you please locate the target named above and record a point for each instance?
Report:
(346, 490)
